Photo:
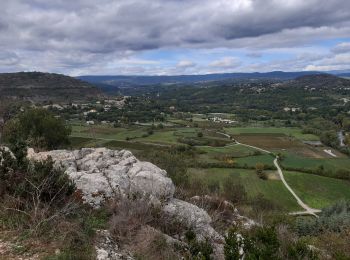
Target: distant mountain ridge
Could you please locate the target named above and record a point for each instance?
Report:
(44, 86)
(120, 81)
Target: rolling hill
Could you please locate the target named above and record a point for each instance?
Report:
(38, 86)
(319, 81)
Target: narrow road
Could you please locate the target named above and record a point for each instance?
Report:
(254, 147)
(308, 210)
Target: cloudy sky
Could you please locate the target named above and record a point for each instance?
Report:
(157, 37)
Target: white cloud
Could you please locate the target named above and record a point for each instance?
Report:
(185, 64)
(226, 62)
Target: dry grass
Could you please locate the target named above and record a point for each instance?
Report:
(149, 243)
(129, 215)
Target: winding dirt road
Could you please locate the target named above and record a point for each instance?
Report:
(308, 209)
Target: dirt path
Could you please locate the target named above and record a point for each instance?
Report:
(308, 210)
(254, 147)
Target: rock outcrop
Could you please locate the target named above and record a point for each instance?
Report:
(100, 174)
(107, 249)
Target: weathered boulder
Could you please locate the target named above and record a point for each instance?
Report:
(192, 216)
(100, 174)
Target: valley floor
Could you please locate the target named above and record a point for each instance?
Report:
(236, 151)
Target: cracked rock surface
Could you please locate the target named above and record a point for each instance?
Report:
(101, 173)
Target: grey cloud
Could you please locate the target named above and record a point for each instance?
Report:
(63, 30)
(8, 58)
(254, 55)
(342, 47)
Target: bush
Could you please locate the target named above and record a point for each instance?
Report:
(174, 162)
(200, 250)
(38, 128)
(259, 168)
(260, 203)
(262, 243)
(233, 190)
(233, 243)
(36, 179)
(33, 194)
(334, 218)
(129, 215)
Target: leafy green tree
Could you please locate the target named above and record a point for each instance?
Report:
(38, 128)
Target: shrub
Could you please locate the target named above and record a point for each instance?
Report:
(198, 249)
(334, 218)
(233, 190)
(129, 215)
(259, 168)
(174, 162)
(233, 243)
(262, 243)
(38, 128)
(260, 203)
(33, 193)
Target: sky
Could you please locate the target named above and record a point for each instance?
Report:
(173, 37)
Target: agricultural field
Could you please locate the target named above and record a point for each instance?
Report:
(286, 131)
(292, 160)
(145, 134)
(317, 191)
(214, 148)
(271, 189)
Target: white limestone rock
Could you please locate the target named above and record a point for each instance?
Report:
(107, 249)
(193, 217)
(101, 173)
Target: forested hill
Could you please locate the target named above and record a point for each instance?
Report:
(320, 81)
(45, 86)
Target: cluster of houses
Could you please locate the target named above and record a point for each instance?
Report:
(91, 108)
(291, 109)
(222, 120)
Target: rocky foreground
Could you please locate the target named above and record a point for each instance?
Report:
(100, 174)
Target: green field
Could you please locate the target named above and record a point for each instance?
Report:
(289, 131)
(251, 161)
(167, 135)
(271, 189)
(317, 191)
(333, 164)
